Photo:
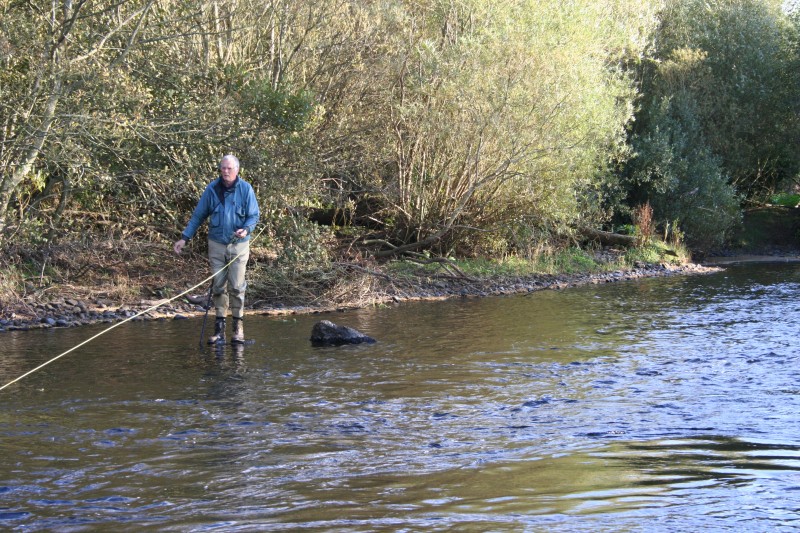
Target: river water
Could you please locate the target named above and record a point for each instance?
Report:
(663, 404)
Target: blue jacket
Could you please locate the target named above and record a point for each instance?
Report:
(238, 210)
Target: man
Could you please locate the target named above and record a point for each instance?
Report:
(231, 204)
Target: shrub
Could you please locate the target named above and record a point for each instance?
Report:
(785, 199)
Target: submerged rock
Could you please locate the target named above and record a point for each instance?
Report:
(326, 333)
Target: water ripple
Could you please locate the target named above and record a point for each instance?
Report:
(663, 404)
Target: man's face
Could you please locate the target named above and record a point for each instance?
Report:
(229, 171)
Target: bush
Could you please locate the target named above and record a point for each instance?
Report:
(677, 172)
(785, 199)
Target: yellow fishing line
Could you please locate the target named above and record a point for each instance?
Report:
(140, 313)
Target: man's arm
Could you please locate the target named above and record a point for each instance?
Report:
(253, 212)
(201, 212)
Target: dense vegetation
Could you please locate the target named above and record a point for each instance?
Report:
(446, 127)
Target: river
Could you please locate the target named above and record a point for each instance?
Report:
(661, 404)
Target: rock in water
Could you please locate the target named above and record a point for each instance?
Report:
(326, 333)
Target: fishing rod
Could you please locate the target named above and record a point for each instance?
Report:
(87, 341)
(140, 313)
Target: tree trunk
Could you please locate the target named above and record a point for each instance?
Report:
(23, 167)
(606, 238)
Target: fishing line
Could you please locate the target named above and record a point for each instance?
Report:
(140, 313)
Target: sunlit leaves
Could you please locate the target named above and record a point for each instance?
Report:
(456, 120)
(509, 104)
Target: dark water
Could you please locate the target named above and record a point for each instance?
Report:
(656, 405)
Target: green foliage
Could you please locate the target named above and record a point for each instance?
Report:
(570, 261)
(713, 127)
(743, 49)
(646, 254)
(626, 229)
(479, 142)
(785, 199)
(768, 227)
(683, 180)
(474, 127)
(284, 110)
(302, 245)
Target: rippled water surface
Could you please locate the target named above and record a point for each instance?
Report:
(665, 404)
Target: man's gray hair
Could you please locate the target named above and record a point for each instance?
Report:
(231, 157)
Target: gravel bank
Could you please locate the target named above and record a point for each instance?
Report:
(70, 312)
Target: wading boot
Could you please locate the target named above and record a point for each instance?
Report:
(238, 331)
(219, 331)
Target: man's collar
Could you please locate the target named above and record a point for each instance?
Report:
(222, 183)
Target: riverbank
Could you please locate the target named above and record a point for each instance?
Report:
(72, 310)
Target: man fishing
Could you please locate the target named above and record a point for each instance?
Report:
(231, 206)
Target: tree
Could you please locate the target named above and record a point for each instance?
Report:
(51, 51)
(718, 116)
(134, 101)
(503, 117)
(733, 63)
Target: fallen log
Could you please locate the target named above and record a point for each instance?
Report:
(606, 238)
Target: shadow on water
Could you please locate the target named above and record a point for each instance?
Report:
(661, 404)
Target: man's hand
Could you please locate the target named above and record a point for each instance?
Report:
(178, 246)
(240, 233)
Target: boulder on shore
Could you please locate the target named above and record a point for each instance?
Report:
(326, 333)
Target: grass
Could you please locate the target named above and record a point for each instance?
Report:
(472, 268)
(657, 252)
(785, 199)
(568, 261)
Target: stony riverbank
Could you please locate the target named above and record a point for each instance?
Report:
(72, 312)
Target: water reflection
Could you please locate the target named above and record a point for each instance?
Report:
(660, 404)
